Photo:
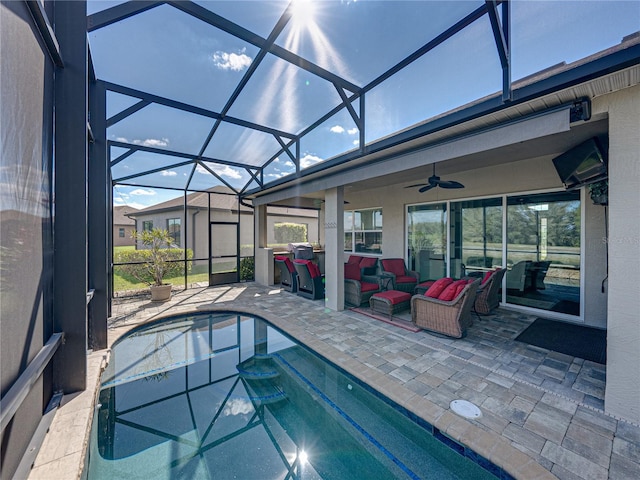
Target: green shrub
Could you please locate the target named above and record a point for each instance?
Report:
(152, 264)
(290, 233)
(247, 268)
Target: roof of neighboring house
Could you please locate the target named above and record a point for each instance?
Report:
(120, 215)
(221, 199)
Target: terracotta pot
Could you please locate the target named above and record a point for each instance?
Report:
(160, 293)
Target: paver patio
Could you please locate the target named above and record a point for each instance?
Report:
(542, 411)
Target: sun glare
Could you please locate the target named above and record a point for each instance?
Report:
(302, 12)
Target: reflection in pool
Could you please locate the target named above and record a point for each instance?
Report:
(226, 395)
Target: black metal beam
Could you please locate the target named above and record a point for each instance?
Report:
(192, 109)
(99, 228)
(70, 221)
(501, 34)
(172, 153)
(217, 21)
(126, 112)
(117, 13)
(46, 31)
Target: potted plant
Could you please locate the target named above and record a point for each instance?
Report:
(599, 192)
(158, 243)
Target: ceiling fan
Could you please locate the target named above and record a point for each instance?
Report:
(434, 181)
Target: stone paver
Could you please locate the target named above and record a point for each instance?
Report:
(540, 409)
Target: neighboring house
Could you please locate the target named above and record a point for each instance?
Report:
(194, 226)
(123, 226)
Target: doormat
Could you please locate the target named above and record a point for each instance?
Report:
(397, 322)
(576, 340)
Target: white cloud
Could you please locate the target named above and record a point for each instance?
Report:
(356, 142)
(309, 160)
(231, 61)
(237, 406)
(336, 129)
(168, 173)
(352, 131)
(289, 164)
(142, 191)
(149, 142)
(222, 170)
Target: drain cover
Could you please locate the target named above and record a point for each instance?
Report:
(465, 409)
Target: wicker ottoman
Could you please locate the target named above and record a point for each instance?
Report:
(390, 302)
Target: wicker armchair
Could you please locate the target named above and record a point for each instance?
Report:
(288, 274)
(487, 297)
(310, 280)
(357, 289)
(451, 318)
(401, 279)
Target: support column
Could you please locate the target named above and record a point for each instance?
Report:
(264, 256)
(623, 331)
(98, 208)
(334, 248)
(70, 217)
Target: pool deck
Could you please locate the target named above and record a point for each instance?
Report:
(542, 411)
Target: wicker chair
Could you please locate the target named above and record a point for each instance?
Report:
(451, 318)
(288, 274)
(402, 279)
(487, 297)
(357, 290)
(310, 280)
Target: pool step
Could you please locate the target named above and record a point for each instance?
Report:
(263, 393)
(257, 367)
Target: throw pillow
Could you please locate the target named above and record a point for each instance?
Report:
(438, 286)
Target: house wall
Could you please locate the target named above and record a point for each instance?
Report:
(623, 330)
(125, 241)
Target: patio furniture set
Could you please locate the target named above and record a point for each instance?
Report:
(442, 306)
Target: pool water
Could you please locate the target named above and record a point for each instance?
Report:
(226, 395)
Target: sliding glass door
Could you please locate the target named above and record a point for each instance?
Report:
(541, 254)
(543, 251)
(427, 237)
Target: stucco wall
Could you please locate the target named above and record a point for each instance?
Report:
(622, 396)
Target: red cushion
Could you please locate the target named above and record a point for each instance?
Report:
(352, 271)
(368, 286)
(394, 265)
(355, 259)
(426, 284)
(368, 262)
(314, 270)
(287, 261)
(438, 286)
(406, 279)
(394, 296)
(451, 291)
(486, 276)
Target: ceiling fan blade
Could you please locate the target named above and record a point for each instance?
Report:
(426, 188)
(450, 184)
(417, 185)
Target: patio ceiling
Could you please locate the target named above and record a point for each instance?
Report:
(250, 94)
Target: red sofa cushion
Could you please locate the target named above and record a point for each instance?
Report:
(452, 290)
(406, 279)
(438, 286)
(368, 286)
(394, 265)
(487, 276)
(354, 259)
(352, 271)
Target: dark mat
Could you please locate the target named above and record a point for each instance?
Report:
(575, 340)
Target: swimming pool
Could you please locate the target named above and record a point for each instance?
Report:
(226, 395)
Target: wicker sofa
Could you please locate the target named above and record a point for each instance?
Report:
(358, 289)
(402, 279)
(487, 297)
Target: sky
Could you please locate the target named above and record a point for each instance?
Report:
(168, 53)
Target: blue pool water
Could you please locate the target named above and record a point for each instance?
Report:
(227, 396)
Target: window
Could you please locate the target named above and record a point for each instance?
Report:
(147, 225)
(363, 231)
(121, 232)
(173, 227)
